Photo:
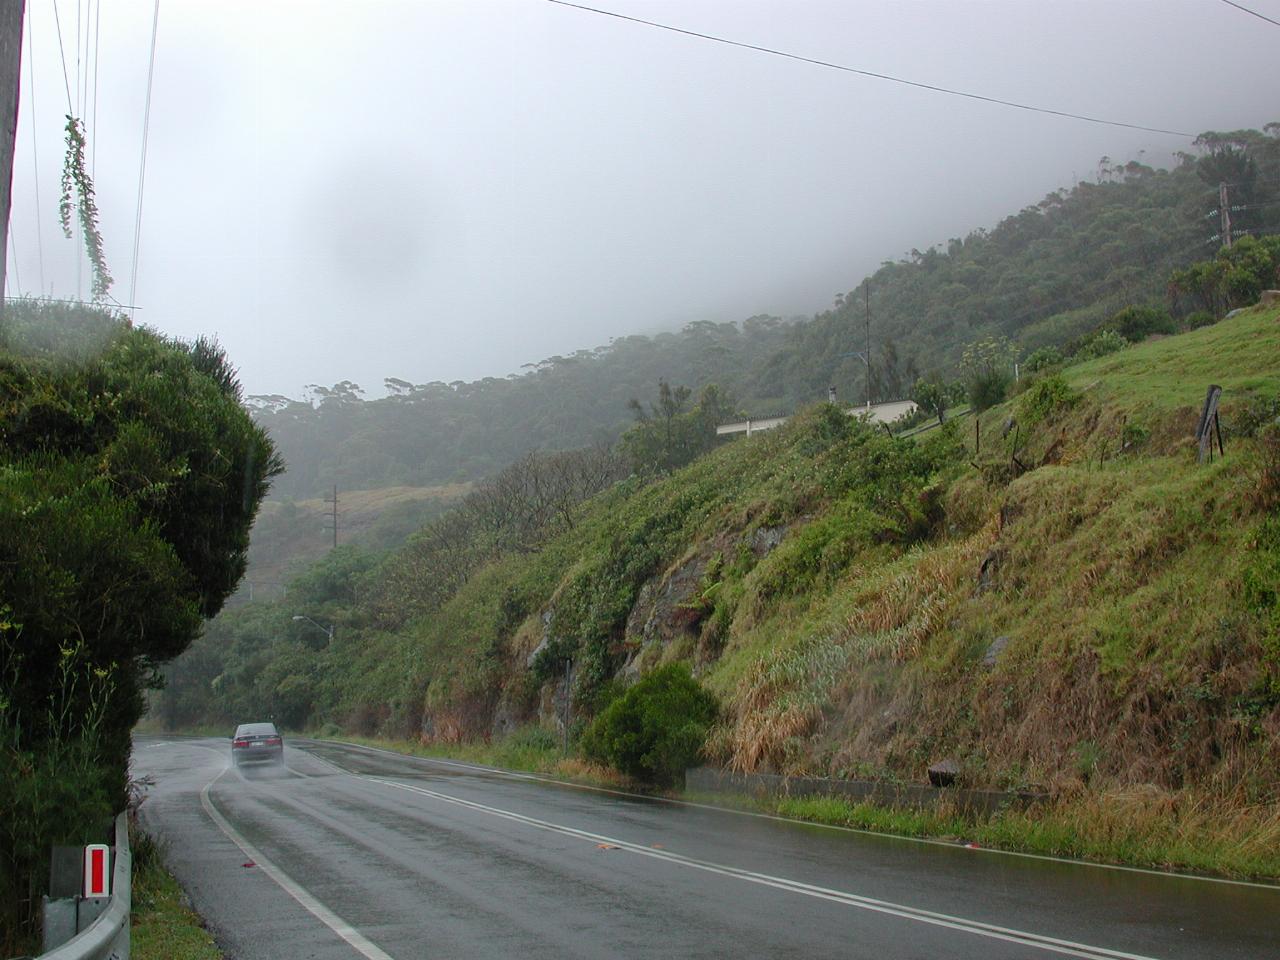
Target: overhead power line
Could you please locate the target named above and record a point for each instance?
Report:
(142, 164)
(35, 139)
(1252, 13)
(62, 52)
(868, 73)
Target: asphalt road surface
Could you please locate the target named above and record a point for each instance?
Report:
(349, 852)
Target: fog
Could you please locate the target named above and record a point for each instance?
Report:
(449, 190)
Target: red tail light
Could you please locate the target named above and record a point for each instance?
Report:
(273, 741)
(239, 743)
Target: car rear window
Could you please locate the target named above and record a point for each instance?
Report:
(256, 730)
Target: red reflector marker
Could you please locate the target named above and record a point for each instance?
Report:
(96, 882)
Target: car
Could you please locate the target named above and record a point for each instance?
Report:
(257, 743)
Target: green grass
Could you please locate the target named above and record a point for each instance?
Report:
(164, 926)
(1239, 355)
(1136, 828)
(1122, 829)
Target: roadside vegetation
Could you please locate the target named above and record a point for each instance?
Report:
(164, 927)
(129, 479)
(1051, 594)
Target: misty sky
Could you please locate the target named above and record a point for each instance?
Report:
(447, 190)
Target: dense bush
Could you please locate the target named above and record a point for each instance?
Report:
(1101, 344)
(129, 478)
(1138, 323)
(656, 730)
(1042, 359)
(1044, 398)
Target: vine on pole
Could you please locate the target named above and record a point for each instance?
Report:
(75, 178)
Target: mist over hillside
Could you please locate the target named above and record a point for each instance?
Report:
(1044, 275)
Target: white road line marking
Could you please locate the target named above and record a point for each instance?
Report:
(1093, 864)
(358, 941)
(1039, 941)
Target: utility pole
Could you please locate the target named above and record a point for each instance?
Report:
(333, 514)
(1225, 210)
(11, 14)
(866, 299)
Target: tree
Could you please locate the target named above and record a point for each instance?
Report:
(665, 437)
(988, 370)
(655, 730)
(131, 478)
(932, 396)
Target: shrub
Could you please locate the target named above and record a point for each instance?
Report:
(1138, 323)
(1198, 319)
(988, 371)
(1042, 359)
(1103, 342)
(1045, 398)
(655, 730)
(985, 390)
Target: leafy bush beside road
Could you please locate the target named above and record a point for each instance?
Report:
(129, 478)
(657, 729)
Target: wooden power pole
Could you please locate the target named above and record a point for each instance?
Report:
(1226, 215)
(866, 299)
(11, 13)
(333, 513)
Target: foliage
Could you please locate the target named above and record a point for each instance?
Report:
(1103, 342)
(76, 178)
(1236, 277)
(987, 366)
(162, 924)
(1042, 359)
(657, 729)
(59, 792)
(1138, 323)
(666, 436)
(1044, 399)
(932, 396)
(129, 478)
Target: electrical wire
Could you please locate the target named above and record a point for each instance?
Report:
(97, 32)
(62, 52)
(13, 254)
(868, 73)
(1253, 13)
(35, 138)
(142, 165)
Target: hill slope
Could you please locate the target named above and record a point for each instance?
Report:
(863, 604)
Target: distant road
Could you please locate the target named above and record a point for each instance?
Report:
(362, 853)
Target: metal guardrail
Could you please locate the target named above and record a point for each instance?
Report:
(107, 938)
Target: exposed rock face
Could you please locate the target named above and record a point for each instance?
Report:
(765, 539)
(667, 608)
(1270, 298)
(554, 707)
(662, 612)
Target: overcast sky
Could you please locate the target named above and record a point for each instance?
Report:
(447, 190)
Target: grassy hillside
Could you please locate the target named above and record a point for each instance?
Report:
(290, 535)
(863, 605)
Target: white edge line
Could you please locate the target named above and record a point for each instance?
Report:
(1149, 871)
(920, 915)
(350, 934)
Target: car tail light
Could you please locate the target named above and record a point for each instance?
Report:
(239, 743)
(273, 741)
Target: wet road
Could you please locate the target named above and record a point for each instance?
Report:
(363, 853)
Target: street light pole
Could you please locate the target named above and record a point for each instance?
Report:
(328, 631)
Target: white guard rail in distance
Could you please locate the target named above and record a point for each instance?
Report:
(107, 938)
